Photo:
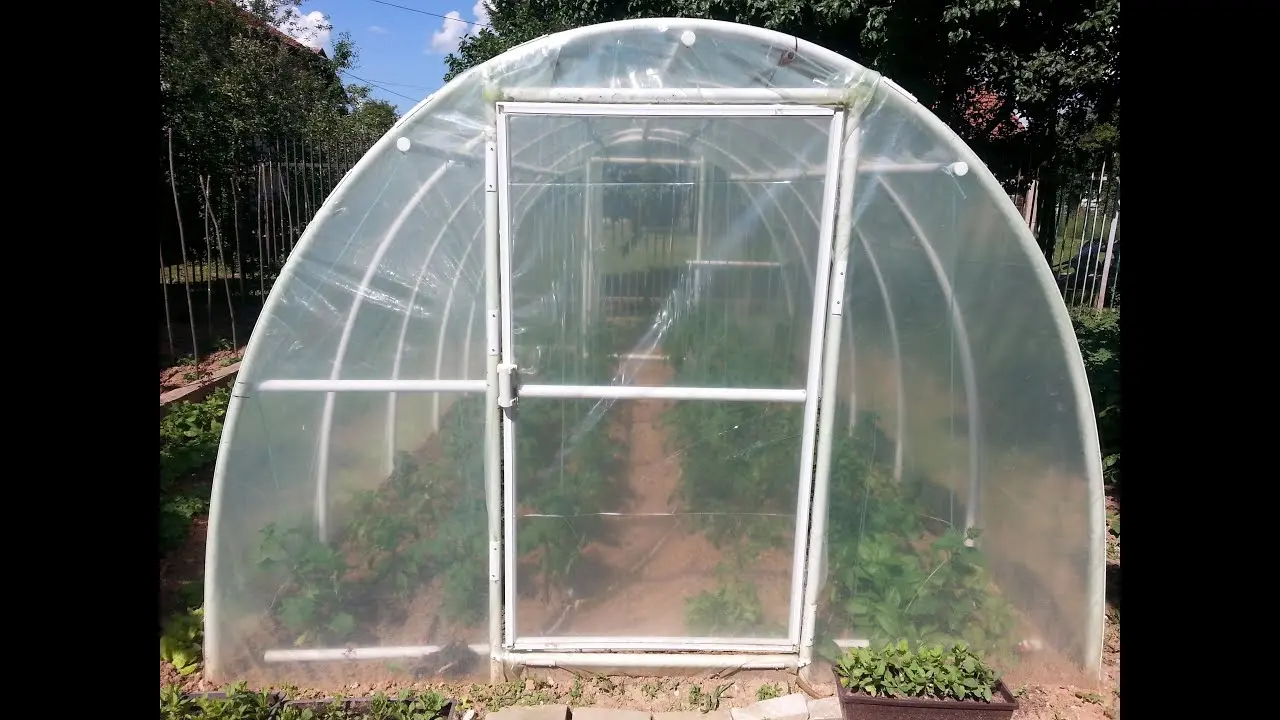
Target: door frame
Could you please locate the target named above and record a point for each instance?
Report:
(825, 303)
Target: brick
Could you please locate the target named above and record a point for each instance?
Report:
(535, 712)
(594, 713)
(787, 707)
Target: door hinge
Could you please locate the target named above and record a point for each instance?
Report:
(506, 385)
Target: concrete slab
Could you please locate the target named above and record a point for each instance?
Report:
(536, 712)
(827, 708)
(787, 707)
(593, 713)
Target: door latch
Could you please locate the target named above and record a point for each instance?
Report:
(507, 385)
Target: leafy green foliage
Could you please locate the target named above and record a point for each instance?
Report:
(737, 459)
(240, 703)
(893, 577)
(732, 608)
(229, 80)
(897, 671)
(180, 643)
(1056, 64)
(189, 436)
(1098, 332)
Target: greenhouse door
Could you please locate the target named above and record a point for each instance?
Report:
(663, 302)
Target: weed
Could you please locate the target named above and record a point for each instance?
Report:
(181, 640)
(575, 692)
(769, 691)
(1021, 692)
(651, 689)
(1090, 697)
(706, 702)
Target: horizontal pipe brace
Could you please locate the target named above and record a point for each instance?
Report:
(735, 263)
(651, 660)
(643, 392)
(423, 386)
(361, 653)
(654, 644)
(709, 102)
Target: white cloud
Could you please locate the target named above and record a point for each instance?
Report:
(445, 40)
(454, 28)
(378, 30)
(312, 29)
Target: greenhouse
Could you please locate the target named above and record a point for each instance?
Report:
(657, 344)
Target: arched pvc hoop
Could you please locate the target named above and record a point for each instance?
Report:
(966, 359)
(619, 138)
(900, 382)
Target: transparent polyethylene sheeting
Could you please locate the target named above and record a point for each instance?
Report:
(678, 250)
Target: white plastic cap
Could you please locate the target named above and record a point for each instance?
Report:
(402, 144)
(959, 169)
(688, 38)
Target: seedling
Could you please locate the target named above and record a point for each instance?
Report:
(897, 671)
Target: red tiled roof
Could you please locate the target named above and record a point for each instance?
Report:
(982, 108)
(253, 20)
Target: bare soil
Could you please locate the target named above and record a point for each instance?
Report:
(637, 582)
(180, 376)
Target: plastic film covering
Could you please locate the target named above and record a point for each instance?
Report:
(652, 251)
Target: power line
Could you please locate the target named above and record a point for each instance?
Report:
(436, 15)
(384, 89)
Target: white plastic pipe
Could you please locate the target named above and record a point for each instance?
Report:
(663, 392)
(650, 660)
(830, 379)
(663, 96)
(813, 375)
(652, 644)
(493, 415)
(412, 652)
(900, 443)
(376, 386)
(971, 511)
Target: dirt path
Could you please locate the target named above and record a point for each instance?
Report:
(637, 584)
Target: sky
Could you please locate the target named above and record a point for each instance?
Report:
(402, 43)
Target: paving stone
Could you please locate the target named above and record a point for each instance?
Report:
(827, 708)
(594, 713)
(787, 707)
(692, 715)
(535, 712)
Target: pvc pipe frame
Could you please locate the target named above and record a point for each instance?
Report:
(1093, 631)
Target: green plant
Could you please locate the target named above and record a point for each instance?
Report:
(895, 574)
(704, 701)
(731, 609)
(180, 642)
(240, 703)
(768, 691)
(189, 436)
(1098, 332)
(898, 671)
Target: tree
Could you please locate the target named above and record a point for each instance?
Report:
(229, 79)
(1054, 62)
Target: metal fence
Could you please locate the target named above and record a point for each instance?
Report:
(225, 235)
(1085, 256)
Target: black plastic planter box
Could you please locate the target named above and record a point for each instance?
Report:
(360, 705)
(859, 706)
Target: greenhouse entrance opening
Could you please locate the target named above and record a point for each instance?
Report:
(663, 306)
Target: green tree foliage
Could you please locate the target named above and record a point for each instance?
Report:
(229, 80)
(1055, 63)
